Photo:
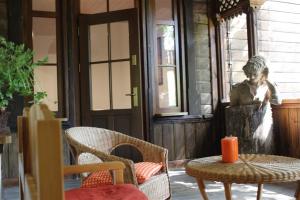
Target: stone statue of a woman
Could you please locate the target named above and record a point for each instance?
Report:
(250, 116)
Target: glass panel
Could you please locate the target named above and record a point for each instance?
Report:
(121, 85)
(100, 87)
(165, 45)
(279, 42)
(167, 86)
(44, 38)
(93, 6)
(119, 40)
(43, 5)
(46, 80)
(120, 4)
(163, 10)
(98, 43)
(236, 51)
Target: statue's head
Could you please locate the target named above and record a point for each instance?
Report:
(256, 69)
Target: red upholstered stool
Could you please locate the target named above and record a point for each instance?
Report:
(106, 192)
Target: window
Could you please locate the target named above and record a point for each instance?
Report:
(45, 41)
(235, 46)
(279, 42)
(167, 75)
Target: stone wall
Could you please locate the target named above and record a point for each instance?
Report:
(3, 18)
(200, 90)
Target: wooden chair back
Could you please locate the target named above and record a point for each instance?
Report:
(40, 158)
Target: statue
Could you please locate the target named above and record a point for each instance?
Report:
(249, 115)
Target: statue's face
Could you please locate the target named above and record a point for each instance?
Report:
(254, 77)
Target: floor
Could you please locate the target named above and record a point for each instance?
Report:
(185, 188)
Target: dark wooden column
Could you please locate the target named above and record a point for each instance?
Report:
(252, 32)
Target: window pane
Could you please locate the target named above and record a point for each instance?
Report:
(119, 40)
(44, 38)
(120, 4)
(279, 42)
(163, 10)
(165, 45)
(43, 5)
(166, 79)
(46, 80)
(100, 99)
(93, 6)
(121, 86)
(236, 51)
(98, 43)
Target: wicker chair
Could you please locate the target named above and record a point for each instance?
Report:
(90, 144)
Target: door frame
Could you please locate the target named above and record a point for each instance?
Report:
(86, 20)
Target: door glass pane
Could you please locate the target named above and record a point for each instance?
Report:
(121, 85)
(120, 4)
(165, 45)
(43, 5)
(98, 43)
(163, 10)
(93, 6)
(44, 38)
(119, 40)
(100, 87)
(167, 86)
(46, 80)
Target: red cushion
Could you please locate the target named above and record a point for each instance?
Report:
(105, 192)
(144, 170)
(96, 179)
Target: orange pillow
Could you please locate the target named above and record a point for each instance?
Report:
(144, 170)
(97, 178)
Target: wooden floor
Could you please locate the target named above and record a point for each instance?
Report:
(185, 188)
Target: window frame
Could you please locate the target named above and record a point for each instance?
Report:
(60, 50)
(178, 109)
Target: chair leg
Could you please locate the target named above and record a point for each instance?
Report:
(227, 187)
(202, 188)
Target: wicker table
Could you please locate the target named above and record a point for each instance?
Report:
(250, 168)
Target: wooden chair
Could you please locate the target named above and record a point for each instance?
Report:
(92, 145)
(41, 170)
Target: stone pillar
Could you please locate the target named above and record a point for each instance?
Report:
(252, 126)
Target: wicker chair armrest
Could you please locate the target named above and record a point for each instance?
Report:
(129, 171)
(151, 152)
(116, 166)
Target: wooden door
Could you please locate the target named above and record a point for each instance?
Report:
(110, 72)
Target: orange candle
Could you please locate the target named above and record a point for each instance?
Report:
(229, 149)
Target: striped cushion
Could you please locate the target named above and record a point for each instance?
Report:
(144, 170)
(97, 178)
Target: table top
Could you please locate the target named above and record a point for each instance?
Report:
(250, 168)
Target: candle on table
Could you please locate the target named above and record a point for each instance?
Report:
(229, 149)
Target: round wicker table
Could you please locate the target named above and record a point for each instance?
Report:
(250, 168)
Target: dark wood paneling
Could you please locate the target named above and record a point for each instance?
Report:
(185, 140)
(179, 141)
(168, 139)
(190, 139)
(158, 135)
(287, 128)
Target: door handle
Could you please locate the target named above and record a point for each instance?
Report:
(130, 94)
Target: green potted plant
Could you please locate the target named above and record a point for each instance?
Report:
(16, 75)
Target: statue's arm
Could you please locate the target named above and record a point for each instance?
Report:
(275, 96)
